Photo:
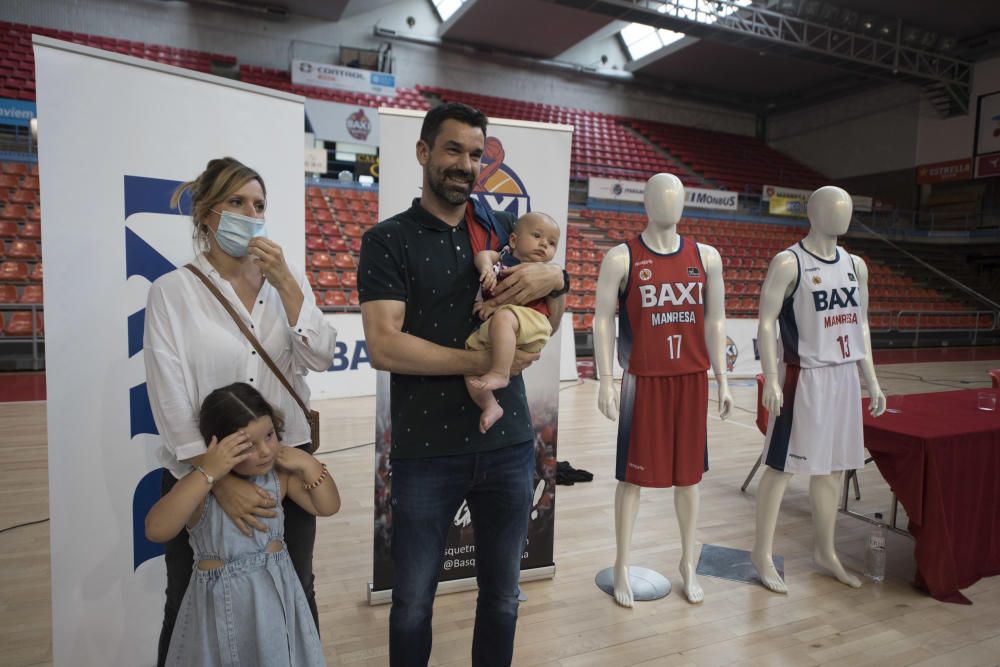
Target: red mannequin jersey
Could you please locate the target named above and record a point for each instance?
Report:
(661, 329)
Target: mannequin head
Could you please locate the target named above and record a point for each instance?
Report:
(664, 198)
(830, 210)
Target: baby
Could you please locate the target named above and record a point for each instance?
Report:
(534, 239)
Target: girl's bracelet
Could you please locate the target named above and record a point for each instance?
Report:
(322, 476)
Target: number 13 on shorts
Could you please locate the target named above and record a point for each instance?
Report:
(674, 346)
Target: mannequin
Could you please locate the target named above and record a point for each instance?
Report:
(819, 293)
(631, 271)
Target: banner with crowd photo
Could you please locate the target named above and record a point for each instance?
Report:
(526, 168)
(613, 189)
(119, 135)
(769, 193)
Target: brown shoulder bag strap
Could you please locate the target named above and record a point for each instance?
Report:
(250, 337)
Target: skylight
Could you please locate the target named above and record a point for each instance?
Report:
(640, 39)
(445, 8)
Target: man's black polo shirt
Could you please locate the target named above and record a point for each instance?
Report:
(417, 258)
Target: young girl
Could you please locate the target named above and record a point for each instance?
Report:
(244, 604)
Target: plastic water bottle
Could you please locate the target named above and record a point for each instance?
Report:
(875, 552)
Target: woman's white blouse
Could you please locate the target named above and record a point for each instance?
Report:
(192, 347)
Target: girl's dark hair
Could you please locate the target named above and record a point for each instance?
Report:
(230, 408)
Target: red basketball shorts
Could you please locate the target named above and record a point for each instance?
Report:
(662, 430)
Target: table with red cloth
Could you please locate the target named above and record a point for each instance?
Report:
(941, 457)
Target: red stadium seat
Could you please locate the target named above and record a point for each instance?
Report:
(344, 261)
(20, 324)
(321, 260)
(353, 230)
(8, 229)
(336, 244)
(14, 212)
(335, 298)
(8, 294)
(313, 229)
(31, 231)
(353, 298)
(15, 168)
(21, 249)
(328, 279)
(36, 273)
(24, 197)
(14, 272)
(315, 243)
(349, 279)
(31, 294)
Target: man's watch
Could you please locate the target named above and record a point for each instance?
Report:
(565, 288)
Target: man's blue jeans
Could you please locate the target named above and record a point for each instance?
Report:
(426, 494)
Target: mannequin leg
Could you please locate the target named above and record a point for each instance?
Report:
(686, 501)
(769, 494)
(823, 494)
(626, 509)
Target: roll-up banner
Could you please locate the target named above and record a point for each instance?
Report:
(118, 135)
(632, 191)
(532, 176)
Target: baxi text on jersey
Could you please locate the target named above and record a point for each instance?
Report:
(841, 297)
(672, 294)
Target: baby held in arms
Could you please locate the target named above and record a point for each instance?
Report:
(534, 238)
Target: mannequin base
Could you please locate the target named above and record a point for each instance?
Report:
(646, 584)
(732, 564)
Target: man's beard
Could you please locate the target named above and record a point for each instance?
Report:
(446, 191)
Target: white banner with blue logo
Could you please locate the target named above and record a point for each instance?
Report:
(526, 168)
(324, 75)
(119, 134)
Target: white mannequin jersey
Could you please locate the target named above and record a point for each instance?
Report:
(820, 322)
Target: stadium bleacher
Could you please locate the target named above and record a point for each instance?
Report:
(17, 60)
(603, 145)
(729, 161)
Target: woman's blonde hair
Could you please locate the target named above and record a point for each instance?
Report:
(221, 178)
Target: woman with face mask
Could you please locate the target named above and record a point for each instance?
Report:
(192, 346)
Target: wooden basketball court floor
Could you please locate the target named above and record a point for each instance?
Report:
(567, 621)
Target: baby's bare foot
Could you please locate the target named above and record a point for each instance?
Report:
(490, 381)
(489, 417)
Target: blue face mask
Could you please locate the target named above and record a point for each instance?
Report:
(235, 232)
